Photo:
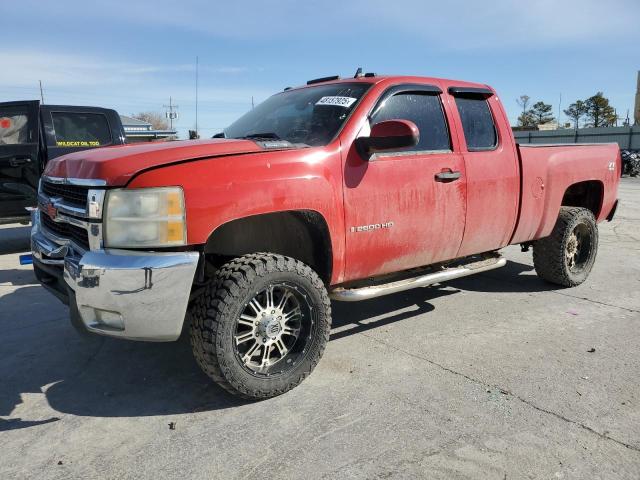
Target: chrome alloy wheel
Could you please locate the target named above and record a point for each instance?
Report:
(579, 247)
(274, 329)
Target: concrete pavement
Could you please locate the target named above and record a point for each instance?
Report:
(485, 377)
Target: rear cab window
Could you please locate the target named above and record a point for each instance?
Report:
(425, 110)
(73, 129)
(477, 122)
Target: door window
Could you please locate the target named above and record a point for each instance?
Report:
(81, 129)
(14, 126)
(477, 123)
(423, 109)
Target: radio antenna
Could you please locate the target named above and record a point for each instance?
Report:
(197, 136)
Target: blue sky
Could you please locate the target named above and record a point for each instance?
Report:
(132, 55)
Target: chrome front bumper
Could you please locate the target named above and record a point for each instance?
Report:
(119, 293)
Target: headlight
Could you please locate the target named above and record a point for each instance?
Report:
(145, 217)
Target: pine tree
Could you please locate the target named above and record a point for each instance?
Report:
(541, 113)
(576, 111)
(598, 111)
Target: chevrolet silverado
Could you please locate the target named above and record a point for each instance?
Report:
(342, 188)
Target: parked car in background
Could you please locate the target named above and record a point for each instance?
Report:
(349, 189)
(630, 163)
(32, 134)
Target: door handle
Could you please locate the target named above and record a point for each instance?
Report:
(19, 161)
(447, 176)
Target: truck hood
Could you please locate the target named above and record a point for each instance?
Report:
(117, 165)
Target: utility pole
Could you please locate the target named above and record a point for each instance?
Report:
(636, 110)
(41, 94)
(559, 109)
(252, 105)
(171, 115)
(197, 97)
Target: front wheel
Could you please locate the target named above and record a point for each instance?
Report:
(262, 325)
(566, 257)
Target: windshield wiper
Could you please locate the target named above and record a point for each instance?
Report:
(265, 135)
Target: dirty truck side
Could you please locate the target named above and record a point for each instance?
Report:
(345, 189)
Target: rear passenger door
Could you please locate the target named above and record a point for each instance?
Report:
(493, 178)
(19, 163)
(420, 211)
(70, 129)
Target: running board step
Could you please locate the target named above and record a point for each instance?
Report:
(372, 291)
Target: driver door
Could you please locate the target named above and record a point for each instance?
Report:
(400, 211)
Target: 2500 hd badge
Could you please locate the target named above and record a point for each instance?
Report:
(368, 228)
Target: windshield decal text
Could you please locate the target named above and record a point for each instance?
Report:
(77, 144)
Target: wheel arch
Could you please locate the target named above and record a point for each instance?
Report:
(300, 234)
(588, 194)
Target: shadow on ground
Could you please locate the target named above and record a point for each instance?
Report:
(15, 239)
(16, 278)
(103, 377)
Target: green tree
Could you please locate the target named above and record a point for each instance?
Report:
(541, 113)
(576, 111)
(599, 113)
(526, 119)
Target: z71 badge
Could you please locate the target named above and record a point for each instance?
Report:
(368, 228)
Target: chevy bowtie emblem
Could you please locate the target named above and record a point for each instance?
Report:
(51, 210)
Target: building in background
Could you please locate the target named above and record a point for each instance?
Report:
(139, 131)
(553, 125)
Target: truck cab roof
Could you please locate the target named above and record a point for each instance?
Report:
(398, 79)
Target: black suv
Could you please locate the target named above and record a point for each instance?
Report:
(31, 134)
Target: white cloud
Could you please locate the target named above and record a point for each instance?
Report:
(449, 25)
(466, 24)
(68, 70)
(128, 87)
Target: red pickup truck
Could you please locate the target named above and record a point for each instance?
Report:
(342, 188)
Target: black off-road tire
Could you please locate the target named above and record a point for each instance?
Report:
(215, 314)
(550, 253)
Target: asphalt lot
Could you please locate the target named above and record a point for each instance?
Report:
(485, 377)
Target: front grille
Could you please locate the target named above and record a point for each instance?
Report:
(74, 195)
(79, 235)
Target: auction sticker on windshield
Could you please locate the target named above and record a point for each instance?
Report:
(345, 102)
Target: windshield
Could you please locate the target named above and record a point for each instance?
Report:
(311, 116)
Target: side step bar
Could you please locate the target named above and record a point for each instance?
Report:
(373, 291)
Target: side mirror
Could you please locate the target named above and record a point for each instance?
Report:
(388, 135)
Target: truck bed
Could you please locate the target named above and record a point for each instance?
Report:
(547, 173)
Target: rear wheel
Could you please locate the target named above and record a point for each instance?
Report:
(566, 257)
(262, 325)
